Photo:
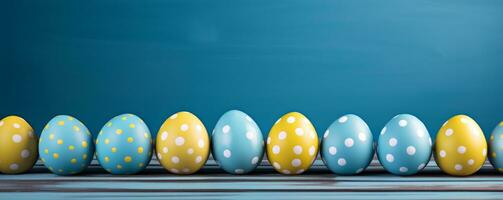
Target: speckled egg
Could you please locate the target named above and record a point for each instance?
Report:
(124, 145)
(496, 147)
(292, 144)
(237, 143)
(182, 144)
(460, 147)
(347, 146)
(404, 145)
(18, 145)
(66, 145)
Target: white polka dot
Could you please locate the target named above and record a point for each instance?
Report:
(343, 119)
(420, 133)
(254, 160)
(312, 134)
(392, 142)
(348, 142)
(296, 162)
(458, 167)
(362, 137)
(179, 141)
(268, 140)
(290, 120)
(442, 153)
(25, 153)
(14, 166)
(159, 156)
(390, 158)
(449, 132)
(341, 162)
(164, 135)
(484, 152)
(326, 134)
(175, 159)
(16, 125)
(199, 159)
(332, 150)
(297, 149)
(226, 129)
(411, 150)
(299, 131)
(1, 123)
(184, 127)
(227, 153)
(286, 171)
(464, 120)
(30, 134)
(173, 170)
(190, 151)
(165, 150)
(281, 136)
(311, 150)
(300, 171)
(16, 138)
(403, 169)
(383, 131)
(275, 149)
(402, 123)
(199, 128)
(250, 135)
(239, 171)
(421, 166)
(174, 116)
(461, 149)
(471, 161)
(185, 170)
(276, 165)
(200, 143)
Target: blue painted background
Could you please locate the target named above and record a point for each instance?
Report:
(324, 58)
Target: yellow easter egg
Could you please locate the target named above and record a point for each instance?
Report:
(18, 145)
(182, 144)
(292, 144)
(460, 147)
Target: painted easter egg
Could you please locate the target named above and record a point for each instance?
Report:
(347, 147)
(66, 146)
(460, 147)
(124, 145)
(292, 144)
(237, 143)
(18, 145)
(404, 145)
(182, 144)
(496, 147)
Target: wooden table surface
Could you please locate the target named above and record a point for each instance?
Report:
(213, 183)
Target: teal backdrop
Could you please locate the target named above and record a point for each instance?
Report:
(97, 59)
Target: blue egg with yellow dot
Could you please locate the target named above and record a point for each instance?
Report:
(237, 143)
(496, 147)
(66, 145)
(124, 145)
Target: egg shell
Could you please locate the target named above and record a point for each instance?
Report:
(292, 144)
(237, 143)
(124, 145)
(18, 145)
(66, 146)
(496, 147)
(404, 145)
(460, 147)
(347, 147)
(182, 144)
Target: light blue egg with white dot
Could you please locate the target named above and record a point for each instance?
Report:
(66, 146)
(237, 143)
(347, 147)
(496, 147)
(404, 145)
(124, 145)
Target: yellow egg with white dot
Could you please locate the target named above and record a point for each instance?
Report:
(292, 144)
(18, 145)
(182, 144)
(460, 147)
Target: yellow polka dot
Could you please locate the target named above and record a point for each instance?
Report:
(84, 144)
(493, 154)
(140, 149)
(492, 137)
(96, 141)
(46, 151)
(124, 118)
(118, 131)
(109, 124)
(46, 126)
(73, 161)
(107, 141)
(100, 132)
(84, 156)
(71, 147)
(70, 118)
(119, 166)
(127, 159)
(130, 139)
(107, 159)
(55, 155)
(145, 135)
(132, 125)
(61, 123)
(60, 141)
(501, 136)
(51, 136)
(114, 149)
(501, 123)
(140, 164)
(76, 128)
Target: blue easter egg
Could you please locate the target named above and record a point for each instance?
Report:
(496, 147)
(404, 146)
(124, 145)
(66, 146)
(237, 143)
(347, 147)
